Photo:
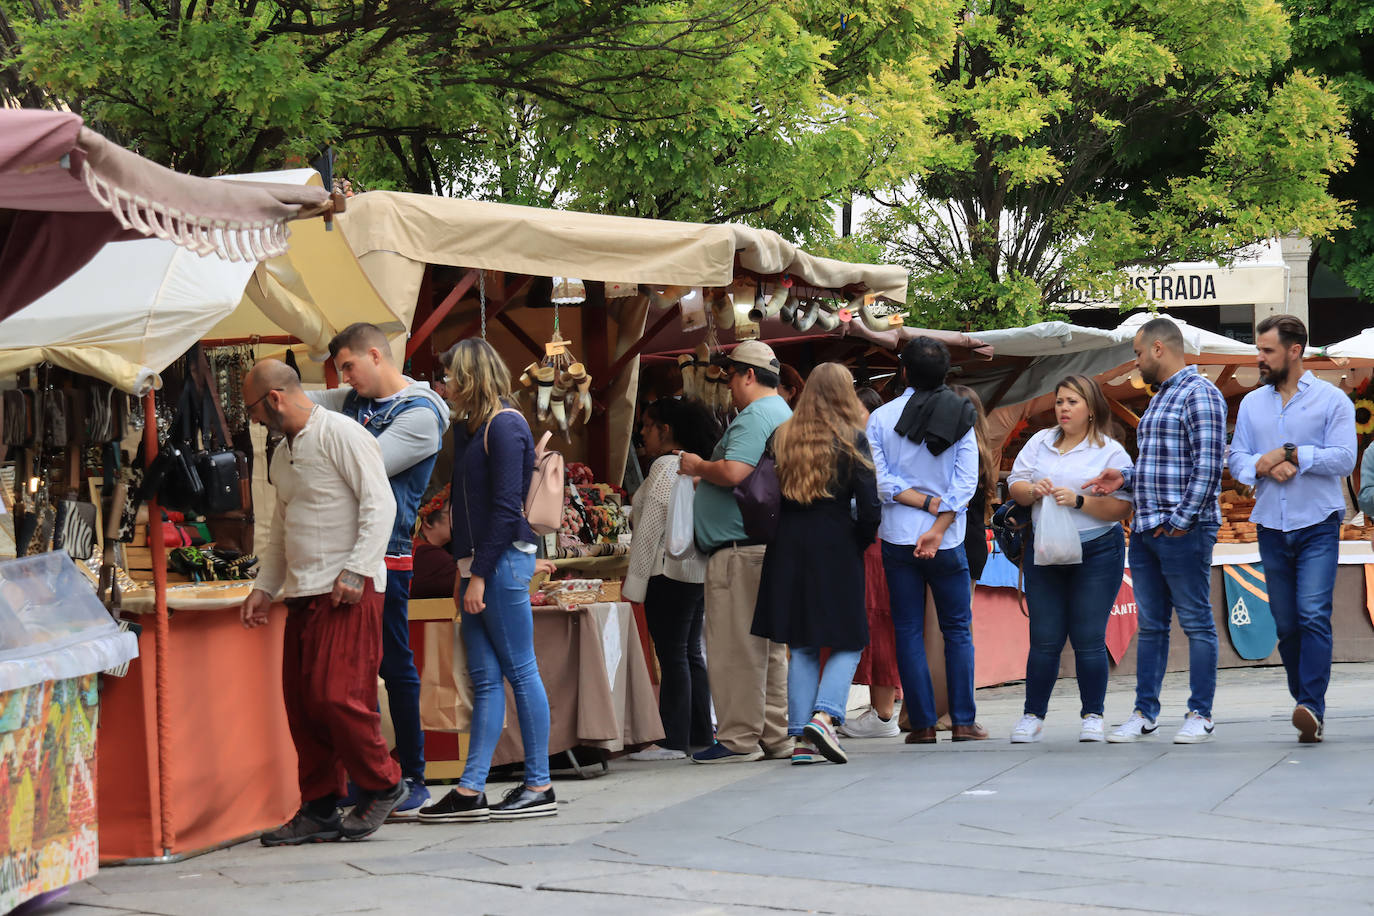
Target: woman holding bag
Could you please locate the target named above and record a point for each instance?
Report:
(671, 587)
(494, 547)
(811, 594)
(1072, 601)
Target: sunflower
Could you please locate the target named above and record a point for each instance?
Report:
(1364, 416)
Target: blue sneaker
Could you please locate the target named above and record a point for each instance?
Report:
(409, 809)
(350, 798)
(719, 753)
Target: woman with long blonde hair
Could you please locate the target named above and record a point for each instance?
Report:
(493, 458)
(811, 595)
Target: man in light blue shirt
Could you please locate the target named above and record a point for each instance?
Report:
(1294, 441)
(925, 454)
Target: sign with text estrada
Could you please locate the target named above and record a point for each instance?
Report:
(1194, 286)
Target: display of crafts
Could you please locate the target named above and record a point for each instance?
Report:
(558, 390)
(594, 517)
(570, 593)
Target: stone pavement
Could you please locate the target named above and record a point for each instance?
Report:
(1251, 823)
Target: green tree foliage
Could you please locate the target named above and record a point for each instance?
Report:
(700, 109)
(1335, 38)
(1078, 138)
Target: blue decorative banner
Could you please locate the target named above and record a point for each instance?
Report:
(1248, 617)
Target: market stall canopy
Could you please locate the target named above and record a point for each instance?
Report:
(395, 234)
(1359, 347)
(137, 306)
(1028, 361)
(65, 191)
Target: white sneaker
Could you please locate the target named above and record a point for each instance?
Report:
(1133, 729)
(1094, 729)
(1028, 730)
(1195, 730)
(868, 725)
(654, 752)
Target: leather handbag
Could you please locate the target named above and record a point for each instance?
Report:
(74, 529)
(759, 498)
(1011, 526)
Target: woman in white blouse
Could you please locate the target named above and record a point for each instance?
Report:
(671, 588)
(1071, 602)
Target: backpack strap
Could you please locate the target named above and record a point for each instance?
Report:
(486, 433)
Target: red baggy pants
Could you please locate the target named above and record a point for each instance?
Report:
(330, 659)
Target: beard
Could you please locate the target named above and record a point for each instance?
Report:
(1150, 376)
(1274, 377)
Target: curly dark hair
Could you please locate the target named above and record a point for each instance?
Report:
(691, 425)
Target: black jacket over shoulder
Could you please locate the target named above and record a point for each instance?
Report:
(812, 588)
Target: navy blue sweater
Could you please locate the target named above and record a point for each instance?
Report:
(488, 492)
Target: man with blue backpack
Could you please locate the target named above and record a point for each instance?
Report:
(408, 419)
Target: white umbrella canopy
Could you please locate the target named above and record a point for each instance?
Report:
(137, 306)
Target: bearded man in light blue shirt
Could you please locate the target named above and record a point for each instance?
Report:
(1294, 441)
(925, 456)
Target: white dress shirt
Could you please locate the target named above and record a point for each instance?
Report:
(1320, 420)
(334, 509)
(1040, 459)
(901, 464)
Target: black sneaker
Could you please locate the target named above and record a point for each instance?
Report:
(522, 802)
(372, 811)
(304, 828)
(455, 806)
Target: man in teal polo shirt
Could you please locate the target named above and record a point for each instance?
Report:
(748, 673)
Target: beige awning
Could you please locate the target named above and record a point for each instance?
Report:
(563, 243)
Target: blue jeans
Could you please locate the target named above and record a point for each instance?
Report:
(398, 671)
(1073, 603)
(1174, 574)
(1300, 571)
(947, 575)
(500, 645)
(811, 690)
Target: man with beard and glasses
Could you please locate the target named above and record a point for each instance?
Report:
(1294, 441)
(325, 559)
(1174, 486)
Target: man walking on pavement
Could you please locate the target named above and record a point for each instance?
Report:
(333, 517)
(1174, 485)
(925, 454)
(748, 673)
(408, 420)
(1294, 441)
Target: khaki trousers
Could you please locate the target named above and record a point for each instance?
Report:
(748, 673)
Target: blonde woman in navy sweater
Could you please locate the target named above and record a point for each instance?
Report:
(493, 457)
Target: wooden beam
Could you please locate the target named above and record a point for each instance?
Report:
(596, 352)
(1123, 413)
(638, 347)
(422, 364)
(1226, 375)
(440, 312)
(519, 334)
(494, 310)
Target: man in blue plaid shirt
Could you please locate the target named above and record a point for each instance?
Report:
(1175, 484)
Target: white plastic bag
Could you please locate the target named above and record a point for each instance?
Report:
(1056, 536)
(680, 541)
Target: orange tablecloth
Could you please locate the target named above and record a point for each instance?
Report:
(231, 762)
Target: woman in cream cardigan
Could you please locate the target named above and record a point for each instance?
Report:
(671, 588)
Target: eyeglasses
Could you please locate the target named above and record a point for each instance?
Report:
(249, 408)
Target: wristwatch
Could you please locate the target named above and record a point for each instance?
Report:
(1078, 503)
(1290, 453)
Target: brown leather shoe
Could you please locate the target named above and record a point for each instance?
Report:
(921, 736)
(974, 732)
